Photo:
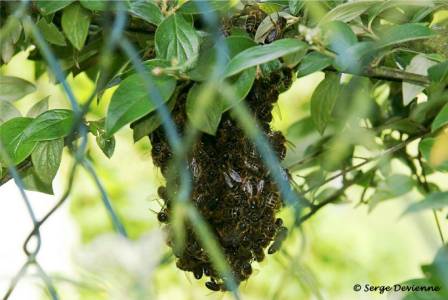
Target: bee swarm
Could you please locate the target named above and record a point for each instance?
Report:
(231, 188)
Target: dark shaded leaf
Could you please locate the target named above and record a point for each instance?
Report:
(32, 182)
(338, 36)
(439, 72)
(441, 119)
(46, 158)
(75, 24)
(51, 33)
(403, 33)
(14, 88)
(436, 200)
(107, 145)
(313, 62)
(95, 4)
(203, 6)
(149, 123)
(51, 6)
(147, 11)
(207, 61)
(38, 108)
(348, 11)
(323, 101)
(204, 109)
(8, 111)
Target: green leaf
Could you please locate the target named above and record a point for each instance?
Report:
(38, 108)
(324, 100)
(176, 39)
(242, 84)
(441, 119)
(201, 96)
(295, 6)
(202, 6)
(51, 33)
(51, 6)
(132, 101)
(144, 126)
(313, 62)
(439, 72)
(32, 182)
(403, 33)
(355, 58)
(338, 36)
(436, 200)
(425, 148)
(107, 145)
(46, 159)
(262, 54)
(50, 125)
(95, 4)
(207, 61)
(75, 24)
(8, 111)
(204, 109)
(147, 11)
(12, 138)
(270, 8)
(14, 88)
(394, 186)
(348, 11)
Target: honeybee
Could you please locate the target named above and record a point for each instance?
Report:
(277, 31)
(162, 216)
(280, 236)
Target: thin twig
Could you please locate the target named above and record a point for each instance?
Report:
(396, 75)
(20, 168)
(357, 166)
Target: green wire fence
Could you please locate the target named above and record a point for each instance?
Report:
(180, 147)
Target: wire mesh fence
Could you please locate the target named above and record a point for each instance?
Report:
(386, 131)
(180, 145)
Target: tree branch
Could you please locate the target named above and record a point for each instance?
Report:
(20, 168)
(391, 74)
(336, 195)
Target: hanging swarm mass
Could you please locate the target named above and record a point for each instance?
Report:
(231, 188)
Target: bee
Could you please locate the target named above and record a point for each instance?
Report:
(197, 272)
(253, 18)
(162, 216)
(162, 192)
(259, 254)
(278, 222)
(272, 202)
(212, 285)
(280, 236)
(208, 270)
(278, 141)
(277, 31)
(194, 167)
(246, 268)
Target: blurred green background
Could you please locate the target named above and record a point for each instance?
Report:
(340, 246)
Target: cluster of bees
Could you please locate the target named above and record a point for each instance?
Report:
(231, 188)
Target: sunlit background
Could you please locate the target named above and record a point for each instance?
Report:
(340, 246)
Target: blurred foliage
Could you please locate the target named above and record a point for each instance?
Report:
(366, 117)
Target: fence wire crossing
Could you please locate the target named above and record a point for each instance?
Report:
(78, 139)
